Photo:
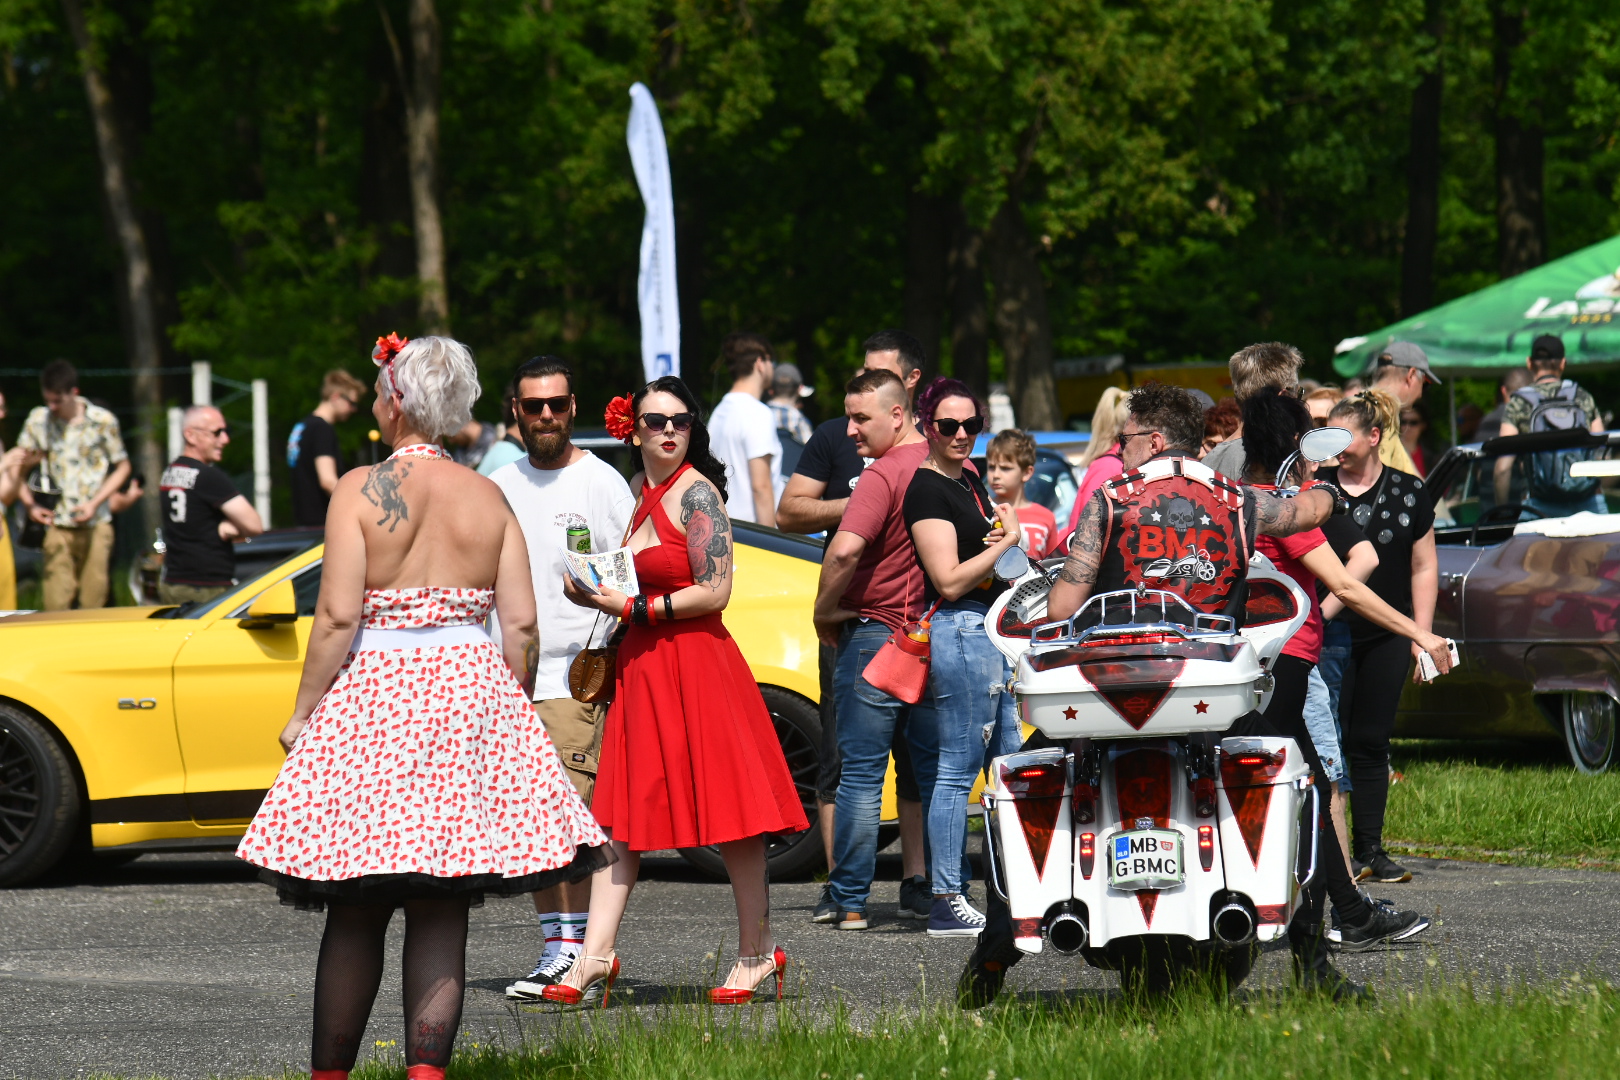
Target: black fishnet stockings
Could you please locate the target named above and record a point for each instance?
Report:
(350, 970)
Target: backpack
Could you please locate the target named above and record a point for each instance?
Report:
(1549, 469)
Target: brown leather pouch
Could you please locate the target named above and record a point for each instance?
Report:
(591, 675)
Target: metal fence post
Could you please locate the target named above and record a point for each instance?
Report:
(261, 449)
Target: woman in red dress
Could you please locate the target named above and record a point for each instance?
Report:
(689, 755)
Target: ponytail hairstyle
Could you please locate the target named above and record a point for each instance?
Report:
(697, 447)
(1371, 409)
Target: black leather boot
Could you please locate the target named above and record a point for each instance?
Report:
(1315, 974)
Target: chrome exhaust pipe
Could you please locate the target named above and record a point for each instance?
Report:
(1067, 933)
(1233, 924)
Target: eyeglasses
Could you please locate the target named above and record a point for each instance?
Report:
(215, 432)
(536, 406)
(948, 427)
(1133, 434)
(656, 421)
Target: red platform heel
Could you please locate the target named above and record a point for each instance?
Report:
(563, 994)
(736, 995)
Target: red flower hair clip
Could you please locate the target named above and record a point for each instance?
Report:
(388, 348)
(620, 418)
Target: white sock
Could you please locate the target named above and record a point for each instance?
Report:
(551, 923)
(571, 932)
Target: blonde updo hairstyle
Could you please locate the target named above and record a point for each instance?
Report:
(437, 382)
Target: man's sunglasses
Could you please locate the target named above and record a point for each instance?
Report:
(948, 427)
(536, 406)
(215, 432)
(655, 421)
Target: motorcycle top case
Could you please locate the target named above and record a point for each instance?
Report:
(1138, 684)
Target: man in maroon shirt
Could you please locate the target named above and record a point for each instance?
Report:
(871, 584)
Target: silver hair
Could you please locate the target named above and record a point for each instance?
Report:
(437, 382)
(192, 413)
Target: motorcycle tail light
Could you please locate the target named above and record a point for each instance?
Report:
(1206, 846)
(1204, 796)
(1088, 854)
(1129, 639)
(1042, 781)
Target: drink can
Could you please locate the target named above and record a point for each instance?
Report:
(579, 540)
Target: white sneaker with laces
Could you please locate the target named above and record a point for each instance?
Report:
(547, 972)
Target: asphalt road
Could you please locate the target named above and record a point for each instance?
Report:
(185, 966)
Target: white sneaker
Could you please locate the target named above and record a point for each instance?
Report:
(546, 973)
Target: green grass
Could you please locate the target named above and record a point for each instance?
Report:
(1511, 802)
(1567, 1029)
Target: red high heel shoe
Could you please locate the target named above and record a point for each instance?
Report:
(563, 994)
(736, 995)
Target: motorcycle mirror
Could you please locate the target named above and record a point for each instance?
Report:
(1011, 565)
(1322, 443)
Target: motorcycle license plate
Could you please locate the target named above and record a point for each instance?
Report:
(1145, 859)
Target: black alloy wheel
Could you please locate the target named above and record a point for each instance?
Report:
(798, 730)
(1590, 731)
(39, 798)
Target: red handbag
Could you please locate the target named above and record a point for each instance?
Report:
(900, 667)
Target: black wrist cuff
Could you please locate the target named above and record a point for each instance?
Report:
(669, 608)
(638, 611)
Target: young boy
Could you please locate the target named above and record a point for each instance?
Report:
(1009, 465)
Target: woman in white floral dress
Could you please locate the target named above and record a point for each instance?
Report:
(417, 774)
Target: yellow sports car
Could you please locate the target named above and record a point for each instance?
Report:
(154, 728)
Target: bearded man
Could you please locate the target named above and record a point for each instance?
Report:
(559, 487)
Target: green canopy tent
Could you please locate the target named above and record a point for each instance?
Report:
(1576, 297)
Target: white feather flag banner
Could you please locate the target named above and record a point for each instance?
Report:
(660, 308)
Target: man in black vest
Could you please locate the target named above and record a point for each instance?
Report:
(1169, 522)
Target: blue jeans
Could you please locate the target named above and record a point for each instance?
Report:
(1319, 724)
(1593, 503)
(866, 722)
(967, 679)
(1335, 656)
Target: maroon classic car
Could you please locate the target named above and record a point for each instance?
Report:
(1532, 599)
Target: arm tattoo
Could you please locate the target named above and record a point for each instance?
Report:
(382, 488)
(708, 534)
(531, 664)
(1280, 517)
(1086, 547)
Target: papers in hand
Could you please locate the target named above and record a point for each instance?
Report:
(614, 569)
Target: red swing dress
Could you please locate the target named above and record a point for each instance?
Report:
(689, 755)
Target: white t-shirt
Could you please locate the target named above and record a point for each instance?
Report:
(742, 428)
(588, 493)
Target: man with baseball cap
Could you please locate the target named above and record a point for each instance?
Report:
(1401, 372)
(1565, 404)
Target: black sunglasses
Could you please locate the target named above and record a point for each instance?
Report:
(948, 427)
(655, 421)
(536, 406)
(215, 432)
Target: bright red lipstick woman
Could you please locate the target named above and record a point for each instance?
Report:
(689, 756)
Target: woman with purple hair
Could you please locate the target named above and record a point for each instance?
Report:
(959, 534)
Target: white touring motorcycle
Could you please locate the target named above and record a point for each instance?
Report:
(1147, 842)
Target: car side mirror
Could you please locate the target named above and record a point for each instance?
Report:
(276, 606)
(1011, 564)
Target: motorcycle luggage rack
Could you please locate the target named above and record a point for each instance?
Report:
(1142, 602)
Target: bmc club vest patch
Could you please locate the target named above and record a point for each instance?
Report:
(1177, 525)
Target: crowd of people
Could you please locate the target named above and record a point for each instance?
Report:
(432, 762)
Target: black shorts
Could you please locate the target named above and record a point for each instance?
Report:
(831, 766)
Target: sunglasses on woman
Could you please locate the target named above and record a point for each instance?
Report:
(655, 421)
(948, 427)
(536, 406)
